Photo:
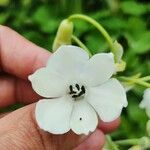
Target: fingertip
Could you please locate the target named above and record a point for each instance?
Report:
(94, 142)
(108, 127)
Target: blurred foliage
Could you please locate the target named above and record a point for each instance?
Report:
(125, 20)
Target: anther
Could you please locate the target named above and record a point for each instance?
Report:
(71, 90)
(83, 89)
(77, 86)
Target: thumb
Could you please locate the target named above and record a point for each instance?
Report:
(18, 130)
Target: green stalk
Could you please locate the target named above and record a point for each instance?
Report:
(98, 26)
(147, 78)
(77, 40)
(137, 81)
(110, 143)
(127, 142)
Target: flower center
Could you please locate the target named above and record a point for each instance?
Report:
(76, 90)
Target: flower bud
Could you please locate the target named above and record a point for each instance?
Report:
(145, 103)
(120, 64)
(64, 33)
(144, 142)
(148, 127)
(135, 147)
(118, 51)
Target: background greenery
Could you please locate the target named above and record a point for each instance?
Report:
(125, 20)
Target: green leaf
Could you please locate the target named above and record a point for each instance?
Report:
(4, 2)
(41, 40)
(50, 26)
(3, 17)
(41, 15)
(141, 44)
(81, 27)
(135, 25)
(114, 23)
(133, 8)
(100, 14)
(136, 115)
(26, 2)
(96, 43)
(135, 112)
(44, 17)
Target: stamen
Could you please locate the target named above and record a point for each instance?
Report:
(70, 87)
(71, 90)
(78, 87)
(83, 89)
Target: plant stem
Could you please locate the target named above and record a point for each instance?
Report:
(127, 142)
(98, 26)
(147, 78)
(136, 80)
(77, 40)
(136, 75)
(110, 143)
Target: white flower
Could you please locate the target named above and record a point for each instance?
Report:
(80, 87)
(145, 103)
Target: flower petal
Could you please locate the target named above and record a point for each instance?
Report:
(145, 103)
(108, 100)
(99, 69)
(47, 83)
(53, 115)
(68, 60)
(84, 118)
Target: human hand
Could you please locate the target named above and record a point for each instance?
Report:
(18, 130)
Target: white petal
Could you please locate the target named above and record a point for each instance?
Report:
(99, 69)
(68, 60)
(145, 103)
(84, 118)
(108, 100)
(53, 115)
(47, 83)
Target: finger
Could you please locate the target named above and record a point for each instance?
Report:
(19, 56)
(94, 142)
(15, 90)
(3, 114)
(19, 130)
(108, 127)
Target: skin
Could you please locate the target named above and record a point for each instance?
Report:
(18, 130)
